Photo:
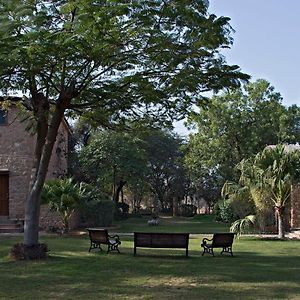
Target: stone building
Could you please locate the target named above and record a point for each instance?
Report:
(16, 160)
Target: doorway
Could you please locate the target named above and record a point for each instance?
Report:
(4, 194)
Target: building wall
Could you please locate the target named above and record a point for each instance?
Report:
(295, 206)
(16, 156)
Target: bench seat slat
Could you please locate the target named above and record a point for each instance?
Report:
(161, 240)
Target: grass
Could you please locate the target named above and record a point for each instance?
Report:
(198, 224)
(260, 269)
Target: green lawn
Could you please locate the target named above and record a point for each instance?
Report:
(198, 224)
(260, 269)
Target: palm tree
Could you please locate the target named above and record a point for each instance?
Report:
(270, 175)
(63, 196)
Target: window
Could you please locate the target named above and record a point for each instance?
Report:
(3, 117)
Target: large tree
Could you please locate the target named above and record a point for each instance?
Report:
(112, 160)
(236, 125)
(109, 60)
(166, 176)
(140, 160)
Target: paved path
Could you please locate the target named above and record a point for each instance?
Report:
(289, 235)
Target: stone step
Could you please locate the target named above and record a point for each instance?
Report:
(4, 219)
(11, 230)
(9, 226)
(7, 221)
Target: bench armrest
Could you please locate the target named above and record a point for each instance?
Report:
(205, 240)
(114, 237)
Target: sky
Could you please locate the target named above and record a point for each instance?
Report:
(266, 43)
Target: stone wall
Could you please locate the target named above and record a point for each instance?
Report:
(16, 156)
(16, 149)
(295, 206)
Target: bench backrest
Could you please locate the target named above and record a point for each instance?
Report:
(98, 235)
(223, 239)
(161, 240)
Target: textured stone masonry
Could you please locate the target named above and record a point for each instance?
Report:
(16, 156)
(295, 206)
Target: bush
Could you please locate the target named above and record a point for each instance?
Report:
(244, 225)
(223, 211)
(99, 212)
(242, 207)
(187, 210)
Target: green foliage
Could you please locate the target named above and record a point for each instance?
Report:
(223, 211)
(97, 209)
(108, 61)
(236, 125)
(271, 172)
(240, 199)
(63, 196)
(108, 150)
(187, 210)
(166, 175)
(115, 56)
(149, 161)
(99, 212)
(268, 177)
(244, 225)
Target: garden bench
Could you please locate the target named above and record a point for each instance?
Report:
(161, 240)
(101, 236)
(219, 240)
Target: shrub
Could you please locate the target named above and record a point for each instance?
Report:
(242, 207)
(244, 225)
(223, 211)
(187, 210)
(99, 212)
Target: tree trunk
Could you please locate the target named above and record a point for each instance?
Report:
(175, 207)
(119, 189)
(281, 227)
(32, 209)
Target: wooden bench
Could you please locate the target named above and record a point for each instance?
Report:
(219, 240)
(101, 236)
(161, 240)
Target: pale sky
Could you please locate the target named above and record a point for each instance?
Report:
(266, 43)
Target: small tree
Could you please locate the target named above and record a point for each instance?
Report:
(63, 196)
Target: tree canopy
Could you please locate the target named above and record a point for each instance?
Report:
(147, 163)
(110, 61)
(238, 124)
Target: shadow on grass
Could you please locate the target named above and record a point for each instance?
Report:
(72, 272)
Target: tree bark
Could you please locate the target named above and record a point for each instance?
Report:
(281, 227)
(32, 209)
(119, 189)
(175, 207)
